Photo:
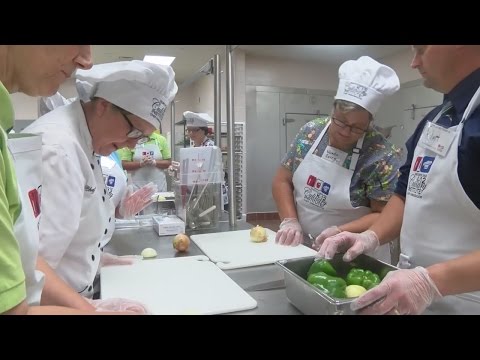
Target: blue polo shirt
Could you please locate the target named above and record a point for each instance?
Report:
(469, 149)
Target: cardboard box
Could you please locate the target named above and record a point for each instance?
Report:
(168, 225)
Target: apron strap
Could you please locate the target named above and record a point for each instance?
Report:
(319, 138)
(356, 153)
(472, 105)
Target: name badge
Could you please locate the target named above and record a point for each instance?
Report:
(436, 138)
(334, 155)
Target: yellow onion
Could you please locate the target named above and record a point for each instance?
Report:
(258, 234)
(354, 291)
(181, 242)
(149, 253)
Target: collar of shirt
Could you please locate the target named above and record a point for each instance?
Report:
(80, 119)
(462, 93)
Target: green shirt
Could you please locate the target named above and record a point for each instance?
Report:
(12, 278)
(126, 154)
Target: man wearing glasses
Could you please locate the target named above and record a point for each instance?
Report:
(340, 172)
(120, 105)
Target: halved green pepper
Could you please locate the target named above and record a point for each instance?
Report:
(331, 285)
(322, 266)
(364, 278)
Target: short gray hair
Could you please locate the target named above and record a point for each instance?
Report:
(347, 106)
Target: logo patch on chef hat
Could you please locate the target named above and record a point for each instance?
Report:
(356, 90)
(158, 109)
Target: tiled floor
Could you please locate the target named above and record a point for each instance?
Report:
(269, 224)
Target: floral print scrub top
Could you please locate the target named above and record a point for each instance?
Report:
(376, 173)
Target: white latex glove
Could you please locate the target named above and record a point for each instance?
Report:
(120, 305)
(290, 233)
(109, 259)
(405, 292)
(332, 230)
(134, 202)
(353, 244)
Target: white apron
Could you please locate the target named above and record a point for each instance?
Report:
(148, 174)
(322, 194)
(440, 222)
(115, 179)
(26, 151)
(116, 184)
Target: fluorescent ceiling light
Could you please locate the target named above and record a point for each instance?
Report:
(162, 60)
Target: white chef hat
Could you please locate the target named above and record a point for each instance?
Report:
(366, 82)
(197, 119)
(142, 88)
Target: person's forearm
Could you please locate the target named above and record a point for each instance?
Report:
(131, 165)
(24, 309)
(389, 223)
(163, 164)
(457, 276)
(282, 191)
(361, 224)
(60, 310)
(57, 292)
(20, 309)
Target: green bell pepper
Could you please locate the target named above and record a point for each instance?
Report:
(331, 285)
(384, 272)
(322, 266)
(364, 278)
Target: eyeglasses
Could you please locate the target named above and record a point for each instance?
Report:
(353, 129)
(189, 130)
(134, 133)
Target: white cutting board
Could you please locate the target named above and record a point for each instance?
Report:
(187, 285)
(234, 249)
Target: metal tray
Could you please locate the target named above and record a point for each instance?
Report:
(312, 301)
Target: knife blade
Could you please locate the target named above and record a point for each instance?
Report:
(308, 240)
(269, 285)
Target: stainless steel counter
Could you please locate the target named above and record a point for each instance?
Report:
(133, 240)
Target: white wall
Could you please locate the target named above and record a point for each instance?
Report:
(400, 62)
(396, 109)
(199, 96)
(25, 107)
(68, 90)
(268, 71)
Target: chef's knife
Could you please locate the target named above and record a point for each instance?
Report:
(269, 285)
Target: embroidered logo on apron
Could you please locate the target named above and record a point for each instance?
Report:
(90, 189)
(418, 176)
(316, 192)
(110, 183)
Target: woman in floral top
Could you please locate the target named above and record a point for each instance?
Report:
(377, 169)
(339, 172)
